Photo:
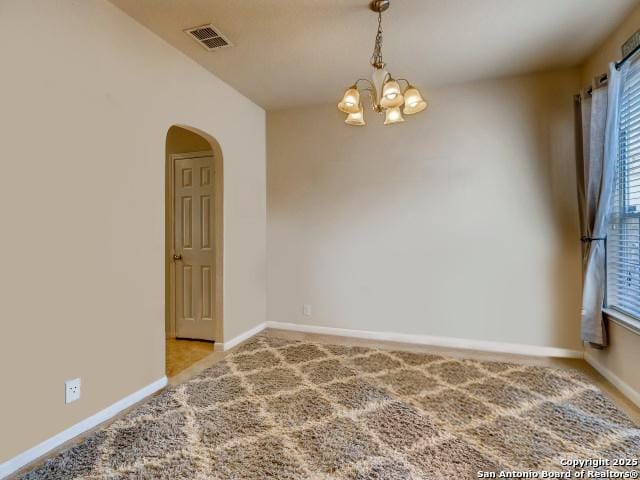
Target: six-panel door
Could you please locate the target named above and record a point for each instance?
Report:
(193, 240)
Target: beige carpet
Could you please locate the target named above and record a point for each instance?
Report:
(295, 410)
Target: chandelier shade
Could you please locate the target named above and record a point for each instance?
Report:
(413, 101)
(393, 115)
(350, 101)
(391, 95)
(386, 93)
(356, 118)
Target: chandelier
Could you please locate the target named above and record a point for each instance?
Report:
(385, 92)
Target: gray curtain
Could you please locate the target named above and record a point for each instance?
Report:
(596, 169)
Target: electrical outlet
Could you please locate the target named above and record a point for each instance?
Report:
(306, 309)
(71, 390)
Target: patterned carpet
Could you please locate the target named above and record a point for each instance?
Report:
(284, 409)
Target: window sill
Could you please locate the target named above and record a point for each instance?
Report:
(622, 319)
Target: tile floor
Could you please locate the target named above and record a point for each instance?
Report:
(181, 354)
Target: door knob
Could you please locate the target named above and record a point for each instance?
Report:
(177, 257)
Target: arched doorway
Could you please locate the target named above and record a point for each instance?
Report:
(193, 247)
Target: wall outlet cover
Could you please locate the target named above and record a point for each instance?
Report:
(306, 309)
(71, 390)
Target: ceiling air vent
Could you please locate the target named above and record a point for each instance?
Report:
(209, 37)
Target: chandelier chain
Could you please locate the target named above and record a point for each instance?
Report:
(376, 58)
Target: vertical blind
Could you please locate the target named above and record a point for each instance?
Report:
(623, 236)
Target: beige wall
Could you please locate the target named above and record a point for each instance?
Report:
(623, 355)
(610, 50)
(461, 222)
(87, 98)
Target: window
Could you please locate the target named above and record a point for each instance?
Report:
(623, 237)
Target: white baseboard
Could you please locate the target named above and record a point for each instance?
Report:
(16, 463)
(620, 384)
(243, 336)
(462, 343)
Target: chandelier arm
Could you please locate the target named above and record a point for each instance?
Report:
(405, 81)
(371, 89)
(372, 99)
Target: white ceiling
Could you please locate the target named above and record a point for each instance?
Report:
(292, 53)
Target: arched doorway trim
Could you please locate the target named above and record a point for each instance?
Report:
(218, 224)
